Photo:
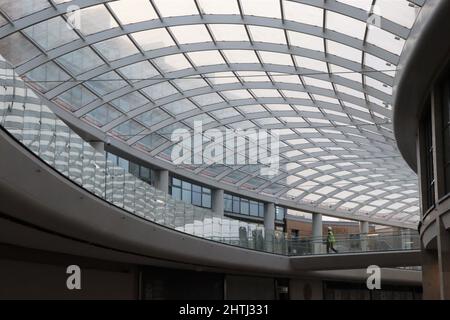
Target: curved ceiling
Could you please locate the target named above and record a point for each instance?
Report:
(315, 72)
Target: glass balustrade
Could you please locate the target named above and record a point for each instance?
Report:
(33, 124)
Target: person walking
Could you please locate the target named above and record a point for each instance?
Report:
(331, 241)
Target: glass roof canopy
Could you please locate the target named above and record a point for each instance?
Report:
(317, 73)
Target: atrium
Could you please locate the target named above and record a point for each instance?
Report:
(225, 149)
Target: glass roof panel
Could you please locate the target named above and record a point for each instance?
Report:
(303, 13)
(296, 94)
(345, 73)
(17, 49)
(179, 107)
(81, 60)
(157, 91)
(153, 39)
(116, 48)
(306, 41)
(266, 93)
(205, 66)
(132, 12)
(102, 115)
(264, 34)
(18, 9)
(346, 25)
(385, 40)
(152, 117)
(191, 34)
(219, 7)
(207, 99)
(106, 83)
(391, 9)
(275, 58)
(318, 83)
(190, 83)
(47, 71)
(172, 63)
(139, 71)
(285, 78)
(361, 4)
(204, 58)
(175, 8)
(228, 32)
(343, 50)
(316, 65)
(51, 33)
(128, 129)
(221, 77)
(252, 109)
(225, 113)
(379, 64)
(241, 56)
(237, 94)
(76, 98)
(95, 19)
(250, 76)
(262, 8)
(129, 101)
(379, 85)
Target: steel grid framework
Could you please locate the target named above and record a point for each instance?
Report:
(326, 92)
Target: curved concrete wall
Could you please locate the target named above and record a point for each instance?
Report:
(36, 194)
(425, 54)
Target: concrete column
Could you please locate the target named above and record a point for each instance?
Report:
(364, 227)
(363, 230)
(443, 253)
(317, 232)
(269, 216)
(269, 225)
(162, 180)
(430, 275)
(217, 204)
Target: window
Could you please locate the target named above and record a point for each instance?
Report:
(244, 206)
(428, 168)
(139, 171)
(280, 213)
(295, 233)
(190, 193)
(445, 100)
(228, 203)
(254, 208)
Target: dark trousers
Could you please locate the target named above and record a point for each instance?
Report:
(330, 245)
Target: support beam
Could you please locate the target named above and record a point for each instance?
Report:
(99, 146)
(364, 227)
(269, 216)
(269, 225)
(317, 232)
(443, 257)
(162, 180)
(430, 275)
(364, 230)
(217, 203)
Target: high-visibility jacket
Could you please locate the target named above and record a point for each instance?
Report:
(330, 237)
